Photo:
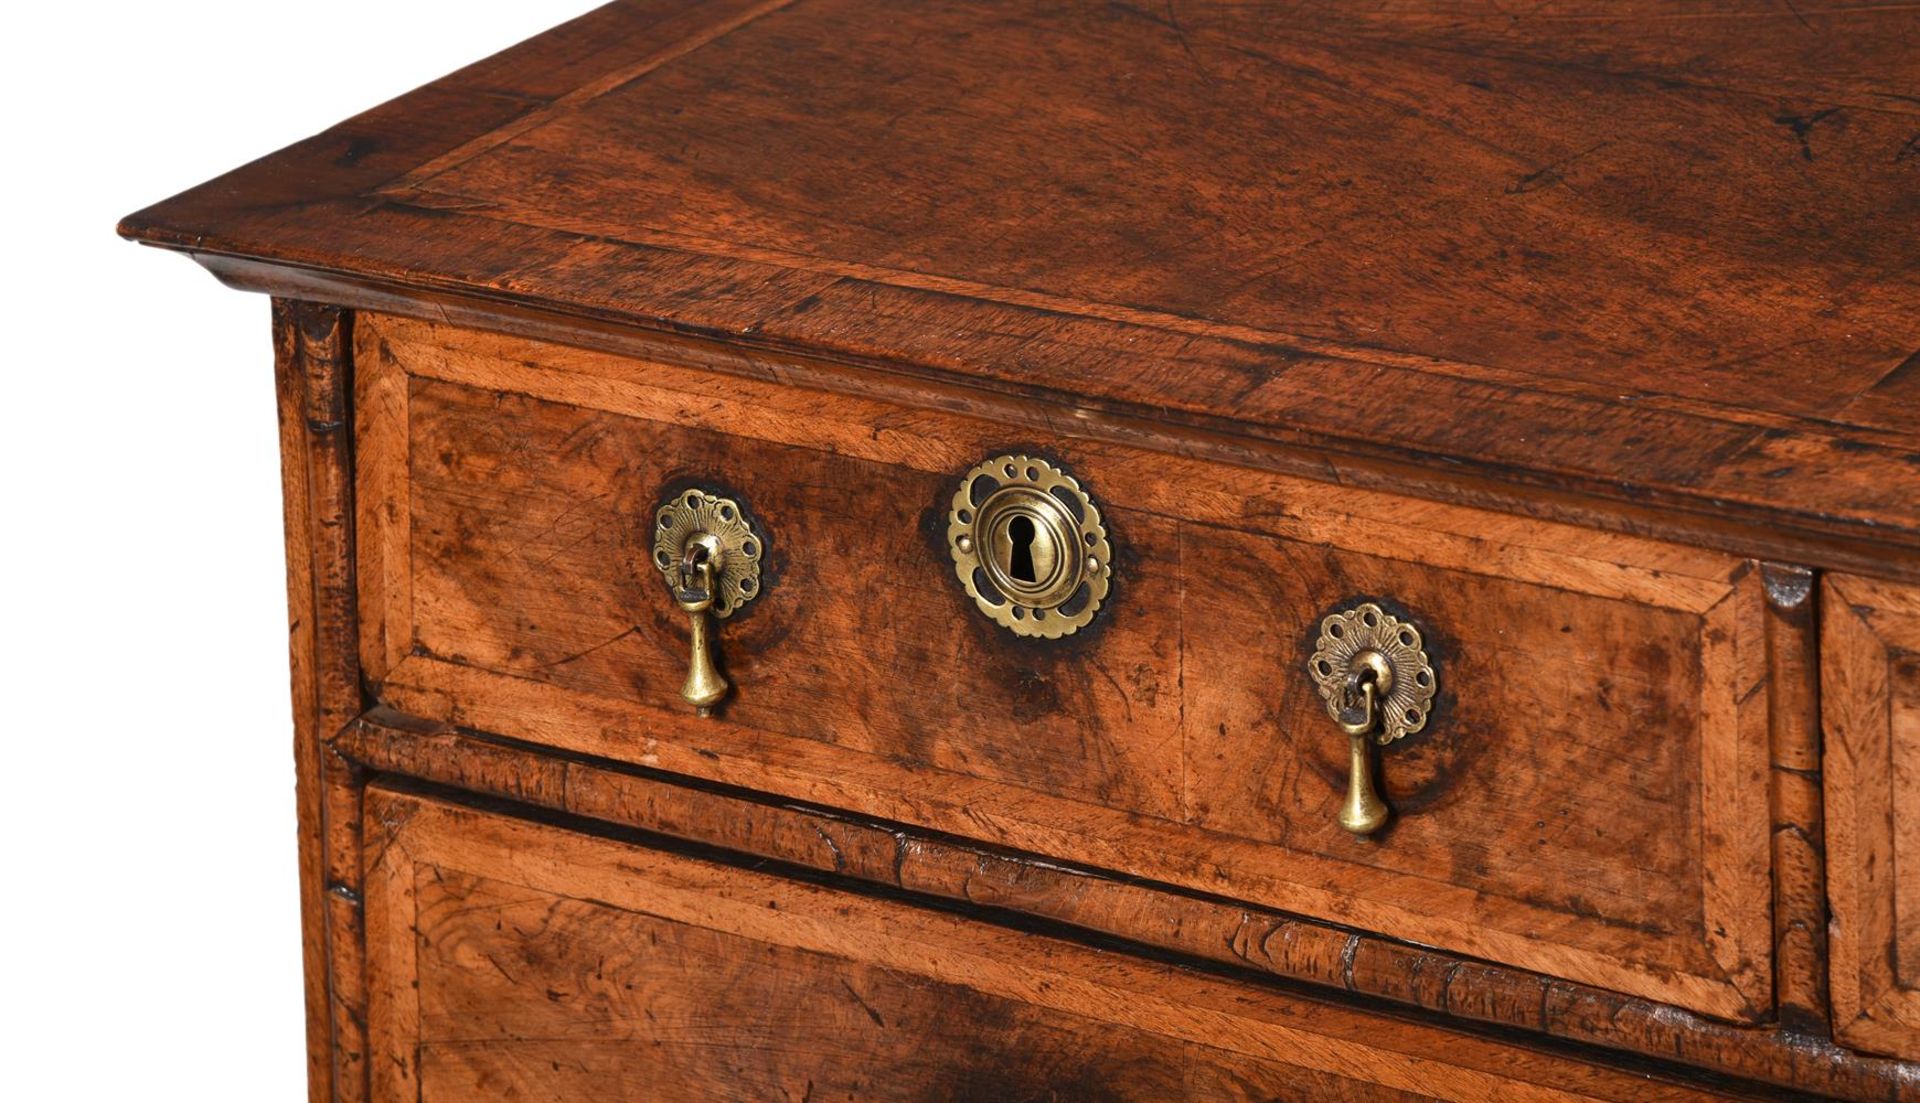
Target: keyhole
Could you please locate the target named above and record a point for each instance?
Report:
(1020, 533)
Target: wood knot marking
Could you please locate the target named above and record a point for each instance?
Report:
(1802, 125)
(357, 148)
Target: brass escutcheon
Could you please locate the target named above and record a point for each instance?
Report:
(1028, 546)
(710, 557)
(1378, 685)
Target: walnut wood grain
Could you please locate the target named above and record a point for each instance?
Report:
(1159, 916)
(1183, 721)
(1601, 759)
(1620, 255)
(551, 963)
(312, 370)
(1870, 697)
(521, 567)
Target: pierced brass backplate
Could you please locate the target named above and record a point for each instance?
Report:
(1373, 636)
(1377, 683)
(710, 557)
(1029, 547)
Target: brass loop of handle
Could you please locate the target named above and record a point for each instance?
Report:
(1378, 686)
(710, 557)
(1368, 675)
(694, 587)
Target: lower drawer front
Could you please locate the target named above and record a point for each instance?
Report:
(513, 960)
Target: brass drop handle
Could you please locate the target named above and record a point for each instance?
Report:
(1378, 686)
(1364, 812)
(704, 686)
(710, 556)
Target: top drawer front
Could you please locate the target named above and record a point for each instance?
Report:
(1588, 800)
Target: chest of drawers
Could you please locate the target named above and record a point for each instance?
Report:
(1013, 552)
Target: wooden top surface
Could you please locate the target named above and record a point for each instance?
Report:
(1661, 253)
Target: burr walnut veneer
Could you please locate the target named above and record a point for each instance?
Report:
(683, 711)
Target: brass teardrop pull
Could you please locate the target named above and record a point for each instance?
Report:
(710, 556)
(1364, 812)
(704, 686)
(1378, 686)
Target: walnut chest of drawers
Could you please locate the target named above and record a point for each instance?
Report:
(1003, 551)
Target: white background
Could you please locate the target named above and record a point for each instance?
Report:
(148, 908)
